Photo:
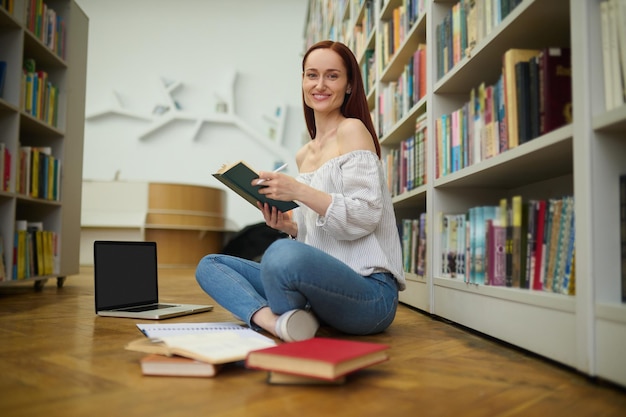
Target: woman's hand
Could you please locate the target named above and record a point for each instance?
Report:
(277, 186)
(277, 219)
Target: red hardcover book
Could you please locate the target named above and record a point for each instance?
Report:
(555, 88)
(323, 358)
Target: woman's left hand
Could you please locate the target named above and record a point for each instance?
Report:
(278, 220)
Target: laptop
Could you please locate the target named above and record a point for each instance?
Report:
(126, 284)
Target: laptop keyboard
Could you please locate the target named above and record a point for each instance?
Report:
(147, 307)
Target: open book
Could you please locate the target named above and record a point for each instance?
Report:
(214, 343)
(238, 177)
(213, 347)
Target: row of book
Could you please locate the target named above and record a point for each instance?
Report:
(35, 250)
(413, 239)
(46, 25)
(406, 165)
(613, 37)
(363, 29)
(398, 97)
(40, 98)
(521, 244)
(396, 29)
(38, 173)
(464, 25)
(532, 97)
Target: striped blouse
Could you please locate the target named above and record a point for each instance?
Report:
(359, 227)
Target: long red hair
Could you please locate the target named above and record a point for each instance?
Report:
(354, 104)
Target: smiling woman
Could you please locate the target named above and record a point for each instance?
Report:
(342, 72)
(343, 265)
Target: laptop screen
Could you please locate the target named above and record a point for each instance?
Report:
(125, 274)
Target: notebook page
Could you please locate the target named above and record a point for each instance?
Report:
(159, 331)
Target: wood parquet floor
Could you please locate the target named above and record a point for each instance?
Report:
(57, 358)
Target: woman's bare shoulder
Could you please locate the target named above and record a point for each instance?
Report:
(352, 135)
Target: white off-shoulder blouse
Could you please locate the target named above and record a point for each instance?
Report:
(359, 227)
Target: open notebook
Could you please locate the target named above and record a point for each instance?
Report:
(126, 283)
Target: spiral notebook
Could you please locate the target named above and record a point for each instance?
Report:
(214, 343)
(158, 331)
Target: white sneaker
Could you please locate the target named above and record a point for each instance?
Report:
(296, 325)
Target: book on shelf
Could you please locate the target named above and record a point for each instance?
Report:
(510, 59)
(496, 242)
(551, 239)
(461, 264)
(5, 167)
(537, 256)
(420, 268)
(406, 236)
(507, 223)
(562, 244)
(518, 242)
(522, 79)
(527, 281)
(161, 365)
(3, 72)
(448, 254)
(238, 177)
(555, 88)
(323, 358)
(453, 243)
(533, 97)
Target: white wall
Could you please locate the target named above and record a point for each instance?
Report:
(132, 43)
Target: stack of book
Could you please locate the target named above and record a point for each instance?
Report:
(316, 361)
(194, 349)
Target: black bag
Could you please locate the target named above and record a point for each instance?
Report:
(252, 241)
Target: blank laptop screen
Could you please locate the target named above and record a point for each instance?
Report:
(125, 274)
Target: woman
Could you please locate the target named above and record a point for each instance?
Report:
(343, 265)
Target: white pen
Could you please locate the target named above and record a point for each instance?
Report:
(280, 168)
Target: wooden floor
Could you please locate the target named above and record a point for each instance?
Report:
(58, 359)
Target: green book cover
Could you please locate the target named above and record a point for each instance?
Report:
(238, 178)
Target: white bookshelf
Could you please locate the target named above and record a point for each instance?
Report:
(586, 331)
(18, 128)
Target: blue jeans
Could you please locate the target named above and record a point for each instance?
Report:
(294, 275)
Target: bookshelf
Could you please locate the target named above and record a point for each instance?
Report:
(584, 159)
(57, 46)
